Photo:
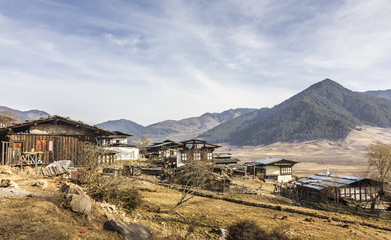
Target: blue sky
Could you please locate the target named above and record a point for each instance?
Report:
(149, 61)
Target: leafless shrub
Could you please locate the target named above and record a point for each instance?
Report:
(105, 188)
(249, 230)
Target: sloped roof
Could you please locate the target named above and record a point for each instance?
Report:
(24, 126)
(268, 161)
(321, 181)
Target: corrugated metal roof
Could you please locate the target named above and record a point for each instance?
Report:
(266, 161)
(320, 181)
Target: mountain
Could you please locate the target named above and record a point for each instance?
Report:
(121, 125)
(176, 130)
(325, 110)
(25, 115)
(380, 93)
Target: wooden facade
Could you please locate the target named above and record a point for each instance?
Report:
(48, 140)
(271, 170)
(194, 150)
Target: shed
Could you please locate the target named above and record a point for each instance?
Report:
(336, 186)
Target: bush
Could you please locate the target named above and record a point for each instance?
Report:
(103, 188)
(249, 230)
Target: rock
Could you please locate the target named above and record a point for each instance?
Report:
(13, 184)
(6, 171)
(81, 204)
(129, 231)
(109, 208)
(70, 189)
(6, 183)
(78, 200)
(309, 219)
(41, 184)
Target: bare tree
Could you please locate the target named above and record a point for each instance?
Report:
(192, 177)
(144, 141)
(380, 158)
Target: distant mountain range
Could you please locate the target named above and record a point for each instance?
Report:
(325, 110)
(25, 115)
(176, 130)
(380, 93)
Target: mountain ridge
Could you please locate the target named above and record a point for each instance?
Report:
(325, 110)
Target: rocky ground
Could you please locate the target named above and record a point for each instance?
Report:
(52, 210)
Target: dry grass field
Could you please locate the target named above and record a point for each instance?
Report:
(346, 157)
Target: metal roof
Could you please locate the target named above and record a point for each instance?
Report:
(267, 161)
(320, 181)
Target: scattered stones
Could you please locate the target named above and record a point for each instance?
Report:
(78, 200)
(41, 184)
(109, 208)
(222, 232)
(129, 231)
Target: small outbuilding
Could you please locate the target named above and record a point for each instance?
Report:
(327, 185)
(271, 170)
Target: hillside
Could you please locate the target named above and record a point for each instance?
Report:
(25, 115)
(121, 125)
(325, 110)
(380, 93)
(176, 130)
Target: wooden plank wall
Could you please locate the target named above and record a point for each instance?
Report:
(64, 147)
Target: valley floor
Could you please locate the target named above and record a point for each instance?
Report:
(345, 157)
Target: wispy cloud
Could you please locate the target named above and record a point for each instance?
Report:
(147, 61)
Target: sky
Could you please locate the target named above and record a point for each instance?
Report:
(149, 61)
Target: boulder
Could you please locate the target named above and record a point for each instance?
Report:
(72, 189)
(41, 184)
(129, 231)
(78, 200)
(81, 204)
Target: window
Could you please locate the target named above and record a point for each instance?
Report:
(183, 156)
(197, 156)
(210, 156)
(41, 145)
(286, 170)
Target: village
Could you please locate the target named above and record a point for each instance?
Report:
(54, 148)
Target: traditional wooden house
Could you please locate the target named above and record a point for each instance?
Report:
(327, 185)
(224, 159)
(161, 150)
(194, 150)
(48, 139)
(271, 170)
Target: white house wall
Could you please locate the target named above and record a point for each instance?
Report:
(272, 170)
(284, 178)
(125, 153)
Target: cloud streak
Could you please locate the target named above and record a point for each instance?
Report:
(151, 61)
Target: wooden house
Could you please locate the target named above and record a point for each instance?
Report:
(161, 150)
(271, 170)
(49, 139)
(327, 185)
(194, 150)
